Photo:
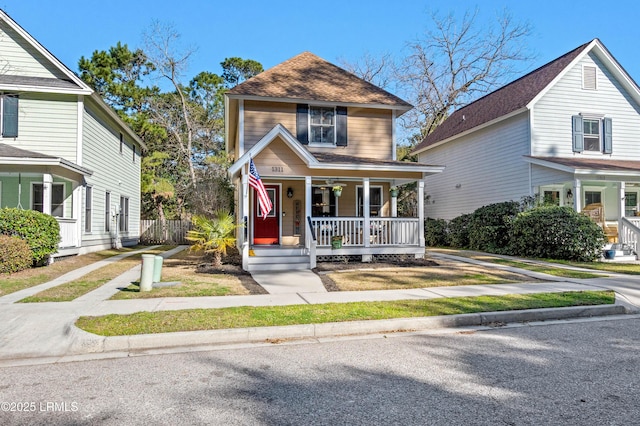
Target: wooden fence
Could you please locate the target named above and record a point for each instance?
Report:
(175, 232)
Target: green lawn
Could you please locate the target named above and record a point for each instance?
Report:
(241, 317)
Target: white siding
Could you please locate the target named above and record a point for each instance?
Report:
(112, 171)
(47, 124)
(551, 135)
(488, 166)
(17, 57)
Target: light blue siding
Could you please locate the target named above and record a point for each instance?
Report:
(552, 132)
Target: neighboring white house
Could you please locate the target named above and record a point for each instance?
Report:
(568, 132)
(63, 151)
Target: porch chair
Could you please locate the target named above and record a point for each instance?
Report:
(595, 212)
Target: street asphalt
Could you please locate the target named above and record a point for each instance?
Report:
(32, 333)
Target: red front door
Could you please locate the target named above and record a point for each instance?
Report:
(267, 231)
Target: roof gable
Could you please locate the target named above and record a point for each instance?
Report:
(307, 77)
(27, 65)
(506, 101)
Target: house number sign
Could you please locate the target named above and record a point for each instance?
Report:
(277, 169)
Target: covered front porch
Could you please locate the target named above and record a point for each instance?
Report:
(51, 185)
(608, 191)
(325, 207)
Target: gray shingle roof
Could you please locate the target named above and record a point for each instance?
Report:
(37, 82)
(507, 99)
(309, 77)
(593, 163)
(13, 152)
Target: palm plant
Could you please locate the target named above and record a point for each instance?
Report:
(213, 235)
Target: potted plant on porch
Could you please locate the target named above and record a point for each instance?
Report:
(393, 191)
(337, 190)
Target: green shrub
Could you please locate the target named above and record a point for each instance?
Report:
(557, 233)
(435, 232)
(458, 235)
(40, 231)
(15, 255)
(489, 226)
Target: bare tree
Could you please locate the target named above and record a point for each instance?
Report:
(455, 63)
(376, 70)
(173, 111)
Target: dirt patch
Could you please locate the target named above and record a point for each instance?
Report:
(231, 265)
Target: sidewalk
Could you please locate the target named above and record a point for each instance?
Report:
(46, 330)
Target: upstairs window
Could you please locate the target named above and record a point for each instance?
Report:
(325, 126)
(322, 125)
(592, 134)
(9, 106)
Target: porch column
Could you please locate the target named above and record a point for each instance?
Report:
(577, 196)
(244, 207)
(308, 192)
(76, 198)
(244, 217)
(367, 211)
(622, 200)
(421, 212)
(394, 206)
(47, 184)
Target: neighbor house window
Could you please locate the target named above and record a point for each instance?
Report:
(322, 125)
(121, 143)
(107, 211)
(57, 198)
(88, 205)
(592, 197)
(592, 134)
(9, 114)
(375, 201)
(124, 214)
(552, 198)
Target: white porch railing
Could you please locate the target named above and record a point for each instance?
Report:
(382, 231)
(68, 232)
(629, 232)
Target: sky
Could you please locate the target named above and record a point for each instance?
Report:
(272, 31)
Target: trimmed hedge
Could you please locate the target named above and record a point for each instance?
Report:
(435, 232)
(15, 255)
(489, 226)
(40, 231)
(458, 235)
(557, 233)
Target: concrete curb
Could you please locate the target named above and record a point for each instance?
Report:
(89, 343)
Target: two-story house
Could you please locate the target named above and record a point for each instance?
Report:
(323, 142)
(567, 132)
(63, 151)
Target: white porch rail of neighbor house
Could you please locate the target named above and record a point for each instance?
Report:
(68, 232)
(382, 231)
(629, 232)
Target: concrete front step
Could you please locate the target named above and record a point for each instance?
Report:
(255, 260)
(262, 267)
(277, 251)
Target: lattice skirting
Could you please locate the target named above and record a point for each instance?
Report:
(358, 258)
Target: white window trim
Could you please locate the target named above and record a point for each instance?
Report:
(370, 188)
(90, 188)
(335, 127)
(64, 196)
(595, 69)
(559, 188)
(632, 191)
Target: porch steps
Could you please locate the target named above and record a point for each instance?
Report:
(278, 259)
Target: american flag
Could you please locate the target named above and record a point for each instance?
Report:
(256, 183)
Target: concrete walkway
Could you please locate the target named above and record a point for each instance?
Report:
(46, 330)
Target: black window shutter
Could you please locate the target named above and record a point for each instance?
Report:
(302, 123)
(341, 126)
(10, 117)
(608, 140)
(578, 134)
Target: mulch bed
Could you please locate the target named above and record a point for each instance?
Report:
(232, 265)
